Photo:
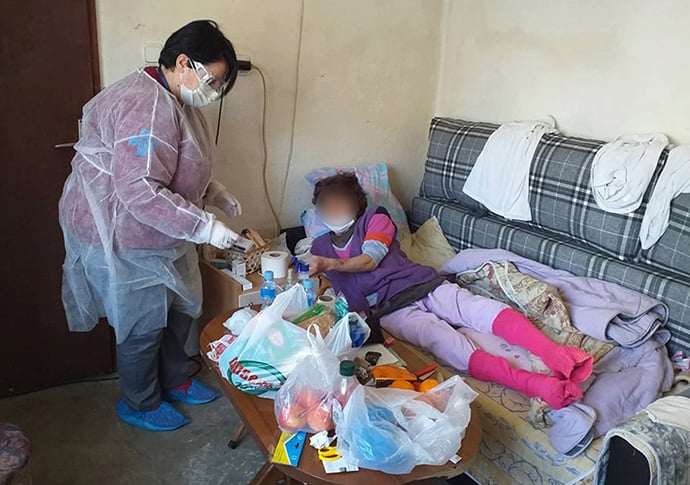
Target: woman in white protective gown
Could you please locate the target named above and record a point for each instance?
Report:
(131, 213)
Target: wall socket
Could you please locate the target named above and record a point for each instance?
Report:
(249, 298)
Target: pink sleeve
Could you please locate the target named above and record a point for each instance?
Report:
(381, 229)
(144, 163)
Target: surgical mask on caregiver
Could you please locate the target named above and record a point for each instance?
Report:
(339, 225)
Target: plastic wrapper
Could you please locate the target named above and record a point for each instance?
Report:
(394, 430)
(268, 348)
(348, 335)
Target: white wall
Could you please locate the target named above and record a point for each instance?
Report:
(601, 68)
(368, 76)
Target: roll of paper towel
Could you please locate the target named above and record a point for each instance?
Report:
(276, 261)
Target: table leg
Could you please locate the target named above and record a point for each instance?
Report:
(237, 438)
(268, 475)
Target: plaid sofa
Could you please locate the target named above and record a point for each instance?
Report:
(568, 231)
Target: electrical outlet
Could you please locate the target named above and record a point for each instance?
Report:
(249, 298)
(151, 53)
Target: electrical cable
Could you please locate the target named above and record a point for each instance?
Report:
(288, 161)
(264, 175)
(220, 115)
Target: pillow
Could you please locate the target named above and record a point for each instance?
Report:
(428, 245)
(374, 181)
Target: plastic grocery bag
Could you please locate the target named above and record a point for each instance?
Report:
(394, 430)
(304, 401)
(348, 335)
(268, 348)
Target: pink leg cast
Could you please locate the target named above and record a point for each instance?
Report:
(426, 330)
(556, 392)
(565, 362)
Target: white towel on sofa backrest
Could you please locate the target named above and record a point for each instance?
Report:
(673, 181)
(622, 170)
(500, 177)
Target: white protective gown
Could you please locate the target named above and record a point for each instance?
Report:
(130, 209)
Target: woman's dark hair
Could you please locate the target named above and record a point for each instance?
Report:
(343, 184)
(203, 42)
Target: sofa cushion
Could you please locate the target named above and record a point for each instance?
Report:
(561, 198)
(465, 230)
(454, 146)
(672, 251)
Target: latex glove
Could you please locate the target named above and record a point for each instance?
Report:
(222, 236)
(218, 196)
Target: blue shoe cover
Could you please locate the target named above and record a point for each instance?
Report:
(165, 418)
(194, 393)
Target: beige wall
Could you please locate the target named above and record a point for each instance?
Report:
(368, 75)
(601, 68)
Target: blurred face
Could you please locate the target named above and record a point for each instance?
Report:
(337, 210)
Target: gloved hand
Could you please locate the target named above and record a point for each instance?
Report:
(218, 196)
(222, 236)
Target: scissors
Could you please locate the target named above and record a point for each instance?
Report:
(329, 453)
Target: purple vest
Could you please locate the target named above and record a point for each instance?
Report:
(394, 274)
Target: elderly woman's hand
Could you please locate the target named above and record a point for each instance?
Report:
(319, 264)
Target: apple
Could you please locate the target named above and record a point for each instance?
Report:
(309, 398)
(292, 417)
(319, 418)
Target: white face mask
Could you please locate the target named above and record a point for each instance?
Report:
(194, 97)
(198, 97)
(339, 225)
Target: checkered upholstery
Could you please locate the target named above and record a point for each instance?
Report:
(672, 251)
(560, 196)
(454, 146)
(562, 202)
(465, 230)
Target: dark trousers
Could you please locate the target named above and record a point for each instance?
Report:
(153, 361)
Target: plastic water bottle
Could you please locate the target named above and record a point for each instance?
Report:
(309, 287)
(302, 273)
(347, 382)
(268, 290)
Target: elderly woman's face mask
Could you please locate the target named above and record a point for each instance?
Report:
(337, 212)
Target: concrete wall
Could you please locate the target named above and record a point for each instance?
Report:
(367, 82)
(601, 68)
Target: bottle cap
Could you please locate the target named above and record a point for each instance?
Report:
(347, 368)
(268, 275)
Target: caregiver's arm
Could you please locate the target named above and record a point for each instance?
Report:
(358, 264)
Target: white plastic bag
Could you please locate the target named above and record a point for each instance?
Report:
(339, 338)
(261, 358)
(304, 402)
(394, 430)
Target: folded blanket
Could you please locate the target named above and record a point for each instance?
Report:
(673, 181)
(605, 311)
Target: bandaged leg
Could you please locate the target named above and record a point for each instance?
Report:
(565, 362)
(556, 392)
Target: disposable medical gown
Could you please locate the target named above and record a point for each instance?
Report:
(130, 209)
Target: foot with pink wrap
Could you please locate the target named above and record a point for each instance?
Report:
(556, 392)
(565, 362)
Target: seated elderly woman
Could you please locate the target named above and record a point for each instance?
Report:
(363, 260)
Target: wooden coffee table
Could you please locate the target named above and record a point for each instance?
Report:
(257, 416)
